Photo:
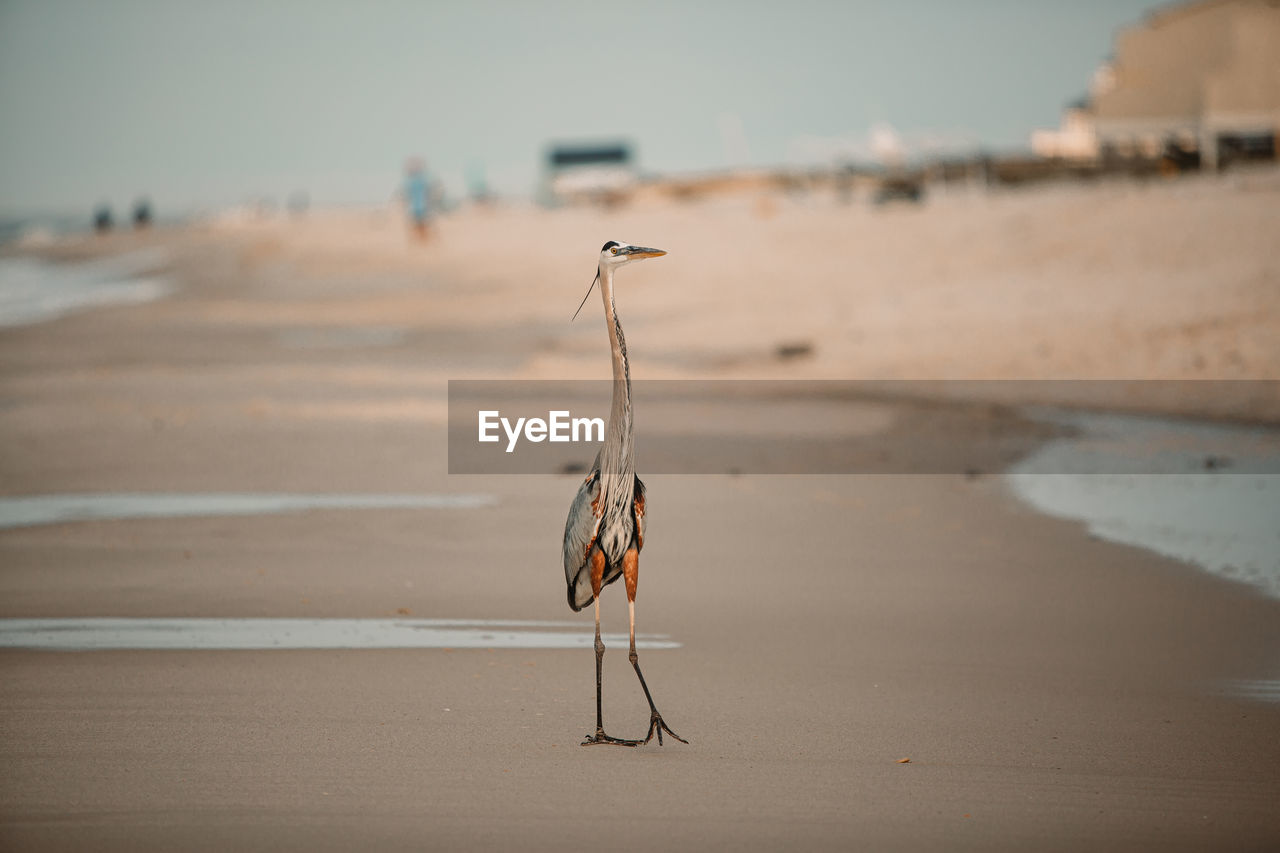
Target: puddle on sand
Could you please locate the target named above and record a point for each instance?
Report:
(1257, 689)
(32, 510)
(197, 634)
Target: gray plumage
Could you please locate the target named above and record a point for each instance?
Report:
(619, 529)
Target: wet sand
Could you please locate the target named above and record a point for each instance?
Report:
(1052, 691)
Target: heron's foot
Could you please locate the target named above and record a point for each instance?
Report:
(657, 726)
(601, 737)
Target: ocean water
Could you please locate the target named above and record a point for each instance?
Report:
(27, 230)
(35, 291)
(1206, 494)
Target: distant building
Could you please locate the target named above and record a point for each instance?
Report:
(1200, 77)
(601, 173)
(1075, 139)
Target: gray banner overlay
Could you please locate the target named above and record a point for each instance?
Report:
(864, 427)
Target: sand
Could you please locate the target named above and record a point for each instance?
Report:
(1168, 280)
(1051, 691)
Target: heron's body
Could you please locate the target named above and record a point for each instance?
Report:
(605, 530)
(620, 529)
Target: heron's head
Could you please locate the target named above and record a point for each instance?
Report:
(615, 254)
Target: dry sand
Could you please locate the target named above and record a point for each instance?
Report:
(1160, 281)
(1051, 691)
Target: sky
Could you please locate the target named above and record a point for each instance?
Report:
(205, 104)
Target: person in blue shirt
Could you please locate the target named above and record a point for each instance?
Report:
(417, 196)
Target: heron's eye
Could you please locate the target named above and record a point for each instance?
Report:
(613, 251)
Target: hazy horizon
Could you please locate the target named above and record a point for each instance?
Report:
(207, 105)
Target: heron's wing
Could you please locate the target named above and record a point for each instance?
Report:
(580, 531)
(638, 507)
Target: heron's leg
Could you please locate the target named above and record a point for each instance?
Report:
(599, 673)
(597, 576)
(631, 574)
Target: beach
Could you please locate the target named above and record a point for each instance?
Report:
(890, 661)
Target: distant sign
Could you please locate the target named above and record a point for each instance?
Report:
(597, 172)
(562, 157)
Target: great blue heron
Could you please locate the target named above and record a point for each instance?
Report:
(605, 530)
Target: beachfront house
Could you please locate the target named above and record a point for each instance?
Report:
(1197, 79)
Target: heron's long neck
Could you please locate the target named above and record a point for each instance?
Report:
(616, 455)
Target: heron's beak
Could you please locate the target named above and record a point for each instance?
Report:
(641, 252)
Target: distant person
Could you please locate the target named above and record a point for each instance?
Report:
(417, 196)
(142, 213)
(102, 219)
